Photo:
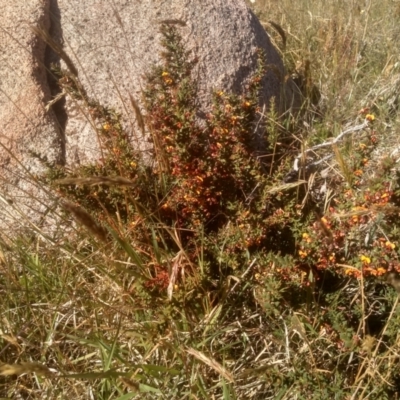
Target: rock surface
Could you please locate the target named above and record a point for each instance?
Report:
(111, 44)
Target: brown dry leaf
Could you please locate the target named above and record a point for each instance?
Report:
(211, 363)
(174, 273)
